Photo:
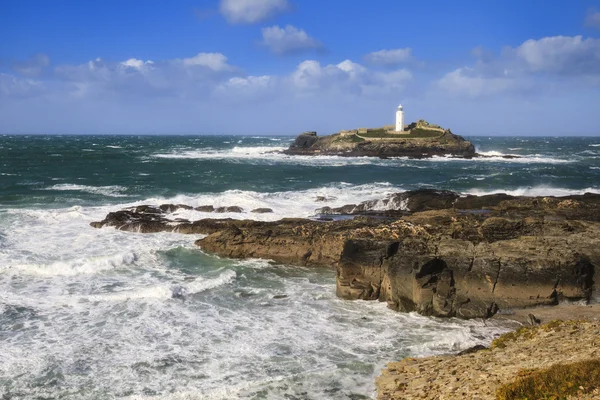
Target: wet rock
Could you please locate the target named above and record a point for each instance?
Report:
(325, 198)
(205, 208)
(174, 207)
(230, 209)
(304, 140)
(262, 210)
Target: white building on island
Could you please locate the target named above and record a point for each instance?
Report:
(399, 119)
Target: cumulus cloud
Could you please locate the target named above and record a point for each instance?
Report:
(389, 58)
(469, 82)
(16, 87)
(214, 61)
(181, 77)
(136, 64)
(570, 58)
(592, 18)
(251, 11)
(205, 75)
(288, 40)
(33, 66)
(346, 77)
(561, 55)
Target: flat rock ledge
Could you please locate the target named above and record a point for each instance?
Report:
(479, 374)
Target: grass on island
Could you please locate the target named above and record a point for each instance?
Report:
(414, 133)
(350, 138)
(556, 382)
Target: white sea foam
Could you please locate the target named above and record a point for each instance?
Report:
(272, 154)
(111, 191)
(114, 147)
(595, 145)
(80, 265)
(494, 156)
(164, 291)
(534, 191)
(298, 204)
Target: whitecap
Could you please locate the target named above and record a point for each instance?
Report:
(110, 191)
(533, 191)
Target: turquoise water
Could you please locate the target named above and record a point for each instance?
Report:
(89, 313)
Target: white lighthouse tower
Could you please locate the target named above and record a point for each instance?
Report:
(399, 119)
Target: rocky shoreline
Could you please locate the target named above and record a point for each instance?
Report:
(439, 254)
(433, 252)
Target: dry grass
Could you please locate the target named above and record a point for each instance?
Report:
(556, 382)
(528, 332)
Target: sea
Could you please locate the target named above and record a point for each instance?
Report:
(89, 313)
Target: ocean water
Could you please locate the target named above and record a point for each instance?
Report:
(89, 314)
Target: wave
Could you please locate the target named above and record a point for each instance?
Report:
(164, 292)
(494, 156)
(114, 147)
(273, 154)
(110, 191)
(90, 265)
(534, 191)
(288, 204)
(595, 145)
(235, 152)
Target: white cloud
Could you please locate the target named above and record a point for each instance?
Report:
(561, 54)
(467, 81)
(33, 66)
(592, 18)
(556, 59)
(15, 87)
(288, 39)
(347, 77)
(392, 57)
(251, 11)
(136, 64)
(214, 61)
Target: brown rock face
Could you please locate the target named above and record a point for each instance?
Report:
(441, 254)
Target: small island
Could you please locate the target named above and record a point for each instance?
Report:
(416, 140)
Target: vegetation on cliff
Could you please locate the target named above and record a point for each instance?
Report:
(551, 361)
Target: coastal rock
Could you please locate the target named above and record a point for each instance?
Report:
(262, 210)
(230, 209)
(304, 141)
(174, 207)
(445, 262)
(205, 208)
(431, 257)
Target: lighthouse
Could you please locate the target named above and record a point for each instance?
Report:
(399, 119)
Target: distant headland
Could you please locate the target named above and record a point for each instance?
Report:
(419, 139)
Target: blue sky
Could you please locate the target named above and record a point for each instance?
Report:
(284, 66)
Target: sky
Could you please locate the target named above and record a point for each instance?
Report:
(509, 67)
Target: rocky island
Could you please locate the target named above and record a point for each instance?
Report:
(419, 140)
